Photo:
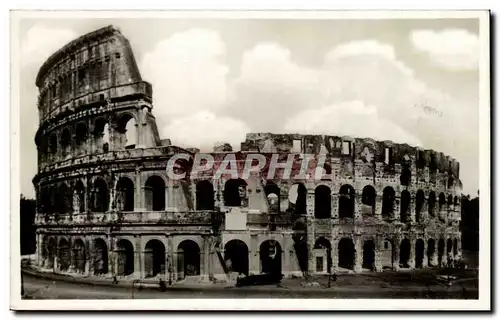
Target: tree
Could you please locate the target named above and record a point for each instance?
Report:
(27, 228)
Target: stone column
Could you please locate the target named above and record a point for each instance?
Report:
(411, 260)
(358, 253)
(434, 258)
(254, 252)
(335, 253)
(138, 258)
(89, 256)
(138, 192)
(396, 208)
(206, 261)
(378, 207)
(425, 261)
(396, 252)
(310, 233)
(379, 240)
(112, 257)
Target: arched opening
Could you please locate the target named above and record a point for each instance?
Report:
(101, 134)
(431, 203)
(419, 253)
(100, 196)
(405, 177)
(388, 197)
(154, 258)
(346, 253)
(154, 192)
(66, 142)
(404, 253)
(125, 194)
(204, 195)
(368, 200)
(440, 251)
(188, 259)
(236, 256)
(431, 249)
(64, 199)
(81, 135)
(297, 197)
(455, 201)
(79, 256)
(64, 255)
(419, 203)
(387, 254)
(455, 247)
(322, 202)
(323, 255)
(51, 252)
(346, 201)
(449, 247)
(442, 201)
(79, 196)
(53, 143)
(128, 131)
(369, 255)
(450, 201)
(234, 192)
(273, 194)
(100, 257)
(125, 254)
(270, 257)
(405, 206)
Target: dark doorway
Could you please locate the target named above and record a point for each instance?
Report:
(324, 244)
(431, 249)
(419, 203)
(346, 253)
(404, 253)
(346, 201)
(79, 256)
(204, 195)
(405, 206)
(322, 202)
(154, 258)
(100, 257)
(270, 257)
(188, 259)
(236, 255)
(125, 253)
(419, 253)
(125, 188)
(368, 199)
(388, 197)
(369, 255)
(234, 192)
(155, 193)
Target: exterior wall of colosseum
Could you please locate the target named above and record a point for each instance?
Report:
(107, 207)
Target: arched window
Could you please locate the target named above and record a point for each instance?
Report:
(100, 196)
(125, 194)
(405, 205)
(188, 259)
(204, 195)
(405, 177)
(273, 194)
(81, 135)
(53, 143)
(154, 258)
(450, 200)
(155, 194)
(234, 192)
(101, 134)
(64, 199)
(66, 142)
(297, 198)
(419, 202)
(431, 203)
(125, 255)
(100, 257)
(128, 131)
(346, 201)
(322, 202)
(236, 256)
(368, 199)
(388, 198)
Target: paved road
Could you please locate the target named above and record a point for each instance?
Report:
(38, 288)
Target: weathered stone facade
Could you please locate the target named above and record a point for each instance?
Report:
(107, 207)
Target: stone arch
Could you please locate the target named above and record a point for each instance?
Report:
(419, 253)
(79, 255)
(101, 134)
(368, 198)
(273, 194)
(64, 254)
(323, 252)
(66, 142)
(236, 256)
(322, 202)
(154, 192)
(125, 254)
(188, 259)
(404, 253)
(297, 198)
(346, 253)
(154, 258)
(100, 257)
(431, 203)
(64, 199)
(79, 196)
(204, 195)
(127, 130)
(419, 203)
(51, 252)
(100, 196)
(270, 257)
(387, 254)
(405, 206)
(52, 143)
(431, 249)
(125, 194)
(81, 135)
(388, 198)
(234, 192)
(346, 201)
(369, 255)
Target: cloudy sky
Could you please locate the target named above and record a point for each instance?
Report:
(413, 81)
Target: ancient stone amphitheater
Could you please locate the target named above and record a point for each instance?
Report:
(107, 207)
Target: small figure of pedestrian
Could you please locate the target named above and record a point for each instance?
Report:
(115, 280)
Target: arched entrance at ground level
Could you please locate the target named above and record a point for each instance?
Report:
(323, 254)
(188, 259)
(236, 256)
(369, 255)
(51, 252)
(154, 258)
(79, 254)
(455, 247)
(431, 249)
(270, 257)
(100, 257)
(64, 255)
(234, 192)
(404, 253)
(204, 195)
(125, 253)
(387, 254)
(346, 253)
(419, 253)
(440, 251)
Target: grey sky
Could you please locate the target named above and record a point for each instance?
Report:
(215, 80)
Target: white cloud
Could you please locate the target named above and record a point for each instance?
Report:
(40, 42)
(452, 49)
(203, 129)
(188, 72)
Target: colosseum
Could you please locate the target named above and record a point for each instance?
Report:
(107, 207)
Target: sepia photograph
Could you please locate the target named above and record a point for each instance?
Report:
(203, 158)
